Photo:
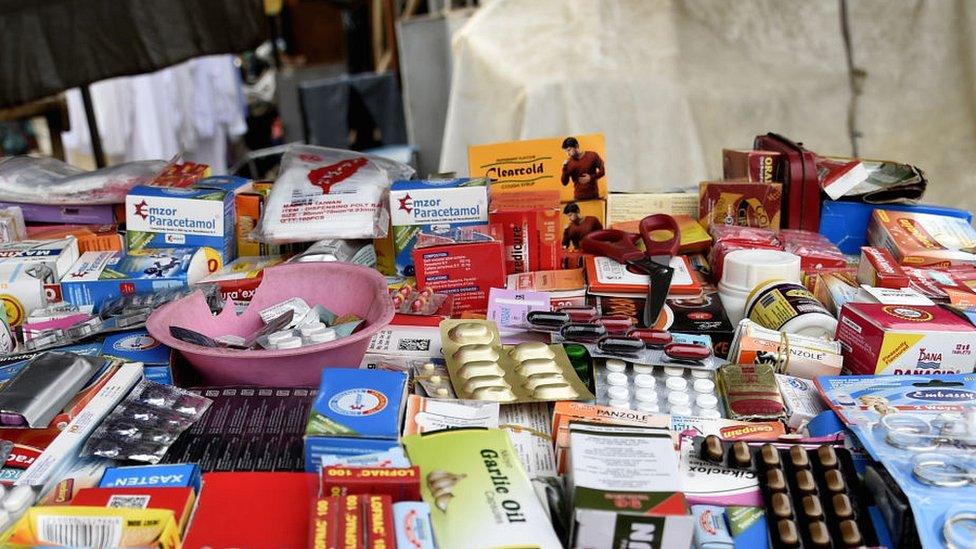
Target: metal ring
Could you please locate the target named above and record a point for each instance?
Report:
(941, 470)
(947, 529)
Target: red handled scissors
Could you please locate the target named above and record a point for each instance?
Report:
(654, 260)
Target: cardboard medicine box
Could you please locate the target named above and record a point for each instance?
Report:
(433, 207)
(905, 340)
(465, 271)
(923, 240)
(356, 412)
(165, 217)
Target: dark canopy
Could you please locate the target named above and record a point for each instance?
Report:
(47, 46)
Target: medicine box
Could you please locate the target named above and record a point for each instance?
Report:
(56, 256)
(905, 340)
(98, 276)
(923, 240)
(356, 412)
(465, 271)
(846, 223)
(167, 217)
(177, 475)
(437, 208)
(139, 346)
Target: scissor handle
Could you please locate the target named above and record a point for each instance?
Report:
(660, 222)
(617, 245)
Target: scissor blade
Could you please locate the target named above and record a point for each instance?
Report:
(659, 284)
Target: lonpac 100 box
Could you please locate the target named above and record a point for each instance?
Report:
(166, 217)
(436, 209)
(905, 340)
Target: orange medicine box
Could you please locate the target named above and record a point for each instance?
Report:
(923, 240)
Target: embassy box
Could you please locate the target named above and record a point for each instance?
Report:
(905, 340)
(357, 412)
(433, 208)
(166, 217)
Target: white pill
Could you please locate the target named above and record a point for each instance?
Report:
(559, 391)
(704, 386)
(644, 380)
(471, 333)
(678, 398)
(535, 366)
(475, 353)
(531, 350)
(617, 392)
(616, 378)
(643, 369)
(710, 413)
(680, 411)
(619, 403)
(480, 368)
(677, 384)
(310, 329)
(615, 365)
(18, 499)
(702, 374)
(442, 392)
(436, 379)
(674, 371)
(648, 407)
(646, 395)
(428, 367)
(323, 336)
(290, 343)
(706, 401)
(277, 337)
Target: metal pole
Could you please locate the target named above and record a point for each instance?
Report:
(96, 139)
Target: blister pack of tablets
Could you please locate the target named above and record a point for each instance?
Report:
(433, 377)
(481, 369)
(410, 301)
(658, 389)
(144, 425)
(812, 495)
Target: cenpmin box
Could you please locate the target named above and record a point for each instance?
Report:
(356, 412)
(167, 217)
(435, 211)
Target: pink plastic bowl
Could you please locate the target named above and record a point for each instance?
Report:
(343, 288)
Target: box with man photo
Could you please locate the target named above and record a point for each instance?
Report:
(574, 165)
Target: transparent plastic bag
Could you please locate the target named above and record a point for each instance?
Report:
(328, 193)
(51, 181)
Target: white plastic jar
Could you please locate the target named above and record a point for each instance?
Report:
(744, 269)
(790, 308)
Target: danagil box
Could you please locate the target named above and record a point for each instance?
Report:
(167, 217)
(356, 412)
(881, 339)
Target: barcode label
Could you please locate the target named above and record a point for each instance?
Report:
(95, 532)
(129, 501)
(414, 345)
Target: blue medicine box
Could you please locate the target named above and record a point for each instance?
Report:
(356, 412)
(177, 475)
(846, 223)
(139, 346)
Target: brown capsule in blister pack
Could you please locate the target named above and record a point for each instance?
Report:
(712, 449)
(781, 507)
(769, 455)
(850, 534)
(776, 480)
(811, 508)
(834, 480)
(827, 456)
(805, 482)
(819, 535)
(788, 534)
(842, 506)
(798, 456)
(740, 455)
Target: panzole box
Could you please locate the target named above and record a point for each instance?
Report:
(166, 217)
(923, 240)
(905, 340)
(433, 207)
(464, 271)
(357, 412)
(98, 276)
(176, 475)
(572, 165)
